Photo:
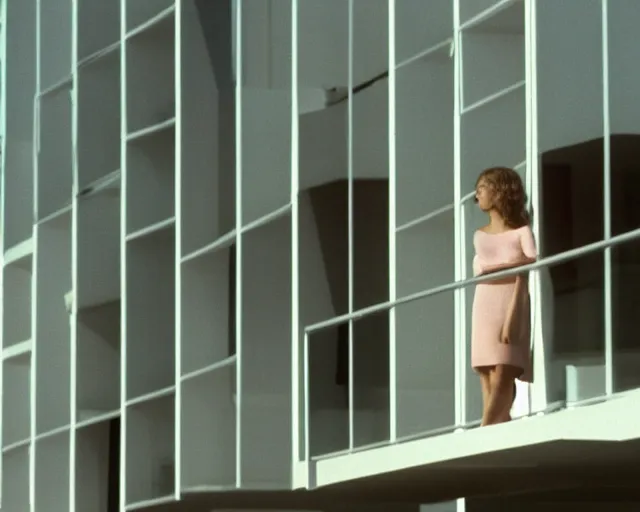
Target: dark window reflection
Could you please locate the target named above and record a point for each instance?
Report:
(578, 305)
(572, 196)
(625, 183)
(573, 327)
(626, 308)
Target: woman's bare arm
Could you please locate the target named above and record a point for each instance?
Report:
(519, 288)
(506, 266)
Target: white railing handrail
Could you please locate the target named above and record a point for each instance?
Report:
(541, 263)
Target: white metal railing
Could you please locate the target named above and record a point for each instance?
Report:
(595, 247)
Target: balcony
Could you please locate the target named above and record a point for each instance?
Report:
(397, 430)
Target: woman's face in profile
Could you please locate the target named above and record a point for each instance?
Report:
(484, 195)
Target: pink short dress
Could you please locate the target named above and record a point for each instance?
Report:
(491, 302)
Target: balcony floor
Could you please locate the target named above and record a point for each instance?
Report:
(591, 453)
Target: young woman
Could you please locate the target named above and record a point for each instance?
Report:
(500, 320)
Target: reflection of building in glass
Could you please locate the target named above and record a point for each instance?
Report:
(209, 209)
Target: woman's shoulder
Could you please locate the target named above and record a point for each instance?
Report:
(486, 230)
(483, 239)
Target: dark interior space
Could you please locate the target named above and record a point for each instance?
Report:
(370, 210)
(370, 265)
(113, 471)
(231, 342)
(573, 216)
(216, 19)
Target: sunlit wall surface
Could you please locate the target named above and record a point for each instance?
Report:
(209, 209)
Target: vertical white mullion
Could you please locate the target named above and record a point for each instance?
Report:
(3, 195)
(459, 294)
(608, 315)
(238, 212)
(529, 156)
(462, 317)
(34, 277)
(74, 259)
(538, 391)
(178, 249)
(123, 256)
(529, 159)
(350, 29)
(295, 282)
(307, 407)
(393, 416)
(32, 376)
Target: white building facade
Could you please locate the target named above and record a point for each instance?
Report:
(237, 246)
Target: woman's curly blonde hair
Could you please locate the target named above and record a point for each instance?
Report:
(510, 199)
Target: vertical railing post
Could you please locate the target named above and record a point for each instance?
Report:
(393, 389)
(459, 294)
(307, 426)
(606, 190)
(238, 227)
(350, 84)
(296, 409)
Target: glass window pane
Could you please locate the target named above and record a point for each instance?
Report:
(370, 151)
(421, 25)
(425, 328)
(624, 83)
(266, 343)
(425, 352)
(323, 232)
(576, 346)
(328, 391)
(371, 379)
(624, 105)
(624, 298)
(570, 123)
(425, 254)
(493, 124)
(424, 136)
(266, 107)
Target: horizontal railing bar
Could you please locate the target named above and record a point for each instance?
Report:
(542, 263)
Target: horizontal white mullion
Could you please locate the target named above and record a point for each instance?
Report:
(98, 55)
(222, 242)
(149, 397)
(225, 363)
(425, 54)
(152, 130)
(150, 23)
(488, 13)
(494, 97)
(425, 218)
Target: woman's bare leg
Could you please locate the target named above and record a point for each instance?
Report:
(502, 384)
(485, 383)
(507, 413)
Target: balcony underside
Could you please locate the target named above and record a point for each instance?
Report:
(589, 454)
(572, 482)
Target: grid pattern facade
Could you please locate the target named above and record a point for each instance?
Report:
(237, 234)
